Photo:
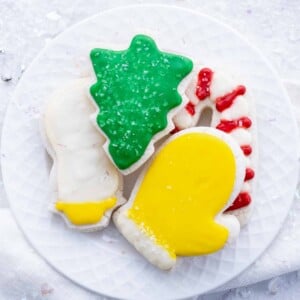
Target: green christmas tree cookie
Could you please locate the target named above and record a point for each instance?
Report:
(135, 90)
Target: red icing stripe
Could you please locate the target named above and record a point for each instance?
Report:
(243, 199)
(190, 108)
(222, 103)
(247, 149)
(203, 84)
(249, 174)
(229, 125)
(226, 101)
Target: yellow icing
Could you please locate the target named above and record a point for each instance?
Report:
(188, 183)
(85, 213)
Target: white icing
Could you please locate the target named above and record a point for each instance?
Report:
(83, 171)
(191, 88)
(182, 119)
(248, 162)
(155, 254)
(232, 224)
(240, 108)
(242, 214)
(242, 136)
(220, 86)
(246, 187)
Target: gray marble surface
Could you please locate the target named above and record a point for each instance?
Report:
(26, 26)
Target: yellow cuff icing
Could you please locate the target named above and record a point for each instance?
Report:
(85, 213)
(187, 184)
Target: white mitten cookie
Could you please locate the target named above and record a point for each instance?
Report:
(86, 184)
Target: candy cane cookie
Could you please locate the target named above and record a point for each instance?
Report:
(232, 113)
(85, 184)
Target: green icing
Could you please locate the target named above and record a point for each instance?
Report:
(135, 90)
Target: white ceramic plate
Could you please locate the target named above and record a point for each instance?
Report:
(104, 262)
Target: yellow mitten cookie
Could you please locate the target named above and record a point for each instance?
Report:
(177, 203)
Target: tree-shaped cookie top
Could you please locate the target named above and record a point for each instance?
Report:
(135, 90)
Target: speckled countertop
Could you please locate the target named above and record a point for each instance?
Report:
(26, 26)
